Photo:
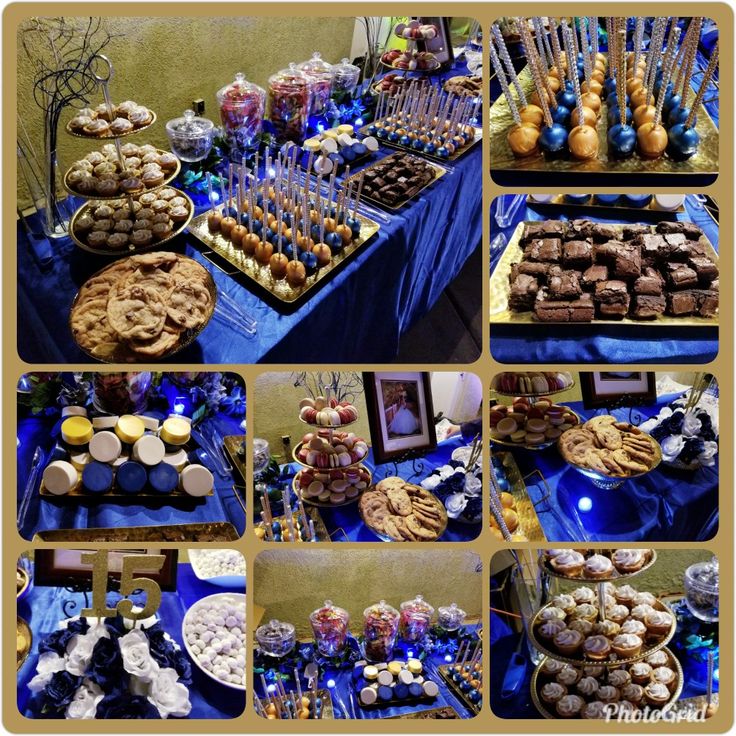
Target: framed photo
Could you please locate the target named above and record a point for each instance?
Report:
(400, 414)
(618, 388)
(64, 568)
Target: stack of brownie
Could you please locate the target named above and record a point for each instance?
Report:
(579, 270)
(397, 178)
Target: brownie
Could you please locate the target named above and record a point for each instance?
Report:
(602, 233)
(632, 231)
(553, 227)
(563, 285)
(705, 268)
(688, 228)
(605, 253)
(715, 285)
(532, 268)
(532, 231)
(576, 310)
(548, 250)
(680, 276)
(592, 276)
(647, 306)
(707, 302)
(681, 303)
(627, 263)
(650, 283)
(652, 246)
(675, 238)
(582, 309)
(681, 252)
(579, 230)
(614, 311)
(577, 254)
(611, 292)
(523, 293)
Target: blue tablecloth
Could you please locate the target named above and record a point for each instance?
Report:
(341, 692)
(602, 343)
(344, 523)
(666, 505)
(358, 316)
(49, 513)
(42, 610)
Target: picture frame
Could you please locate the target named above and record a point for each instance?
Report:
(611, 389)
(400, 414)
(63, 568)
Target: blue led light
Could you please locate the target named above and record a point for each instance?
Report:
(448, 657)
(180, 404)
(330, 683)
(359, 122)
(271, 688)
(585, 504)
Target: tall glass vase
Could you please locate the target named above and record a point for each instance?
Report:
(55, 206)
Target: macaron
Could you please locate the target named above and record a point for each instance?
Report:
(73, 411)
(105, 446)
(536, 425)
(163, 478)
(131, 477)
(518, 417)
(196, 480)
(518, 436)
(507, 426)
(337, 498)
(553, 433)
(149, 450)
(385, 678)
(556, 419)
(368, 696)
(129, 428)
(431, 690)
(533, 438)
(97, 477)
(76, 431)
(370, 672)
(60, 477)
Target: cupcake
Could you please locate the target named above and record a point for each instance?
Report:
(588, 687)
(570, 706)
(552, 692)
(607, 628)
(582, 625)
(625, 595)
(617, 613)
(598, 567)
(657, 694)
(552, 667)
(565, 602)
(608, 694)
(641, 673)
(586, 611)
(644, 599)
(627, 645)
(583, 595)
(633, 693)
(568, 676)
(641, 611)
(619, 678)
(597, 647)
(633, 626)
(594, 670)
(629, 560)
(658, 659)
(658, 623)
(549, 629)
(665, 676)
(551, 612)
(569, 563)
(595, 710)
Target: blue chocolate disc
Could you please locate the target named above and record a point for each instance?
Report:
(415, 690)
(131, 477)
(401, 691)
(385, 693)
(163, 478)
(97, 477)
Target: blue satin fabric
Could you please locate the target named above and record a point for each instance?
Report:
(49, 513)
(344, 686)
(599, 343)
(344, 523)
(358, 316)
(42, 610)
(666, 505)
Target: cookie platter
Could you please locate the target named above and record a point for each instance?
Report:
(128, 118)
(547, 709)
(613, 573)
(568, 415)
(192, 299)
(514, 254)
(531, 385)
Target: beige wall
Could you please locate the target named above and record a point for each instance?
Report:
(291, 584)
(165, 63)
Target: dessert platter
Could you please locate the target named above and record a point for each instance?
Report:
(124, 458)
(580, 271)
(315, 704)
(618, 113)
(398, 682)
(651, 207)
(465, 677)
(393, 82)
(531, 384)
(311, 228)
(594, 565)
(337, 148)
(444, 713)
(412, 59)
(464, 86)
(426, 121)
(114, 121)
(143, 307)
(331, 488)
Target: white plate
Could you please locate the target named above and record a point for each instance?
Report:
(223, 581)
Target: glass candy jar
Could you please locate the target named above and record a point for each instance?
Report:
(702, 590)
(288, 104)
(121, 393)
(344, 77)
(416, 616)
(451, 617)
(330, 627)
(319, 74)
(241, 106)
(380, 629)
(276, 638)
(190, 137)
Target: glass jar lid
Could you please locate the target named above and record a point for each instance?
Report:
(381, 610)
(316, 66)
(704, 576)
(418, 605)
(345, 69)
(189, 125)
(275, 632)
(239, 90)
(451, 612)
(329, 611)
(289, 77)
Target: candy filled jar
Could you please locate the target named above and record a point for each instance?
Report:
(190, 136)
(451, 617)
(416, 616)
(330, 627)
(242, 105)
(319, 74)
(380, 629)
(344, 77)
(276, 638)
(289, 93)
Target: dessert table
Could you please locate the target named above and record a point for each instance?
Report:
(418, 251)
(49, 513)
(602, 343)
(43, 609)
(666, 504)
(344, 523)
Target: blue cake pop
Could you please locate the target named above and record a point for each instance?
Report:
(679, 115)
(561, 115)
(354, 224)
(682, 142)
(334, 241)
(671, 102)
(310, 262)
(552, 139)
(621, 140)
(566, 98)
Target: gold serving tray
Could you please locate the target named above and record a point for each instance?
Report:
(426, 70)
(614, 576)
(211, 531)
(646, 650)
(295, 456)
(542, 446)
(327, 505)
(445, 713)
(453, 157)
(439, 172)
(110, 136)
(115, 495)
(168, 178)
(320, 530)
(529, 524)
(459, 694)
(130, 249)
(328, 711)
(123, 354)
(549, 712)
(26, 582)
(501, 288)
(232, 443)
(650, 211)
(23, 642)
(705, 161)
(535, 395)
(261, 275)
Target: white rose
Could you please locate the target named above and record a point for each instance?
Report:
(48, 663)
(431, 482)
(691, 425)
(649, 425)
(666, 413)
(79, 649)
(84, 703)
(136, 654)
(707, 457)
(169, 695)
(672, 447)
(446, 471)
(455, 504)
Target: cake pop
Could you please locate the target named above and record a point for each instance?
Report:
(213, 217)
(264, 249)
(343, 229)
(239, 231)
(683, 139)
(251, 239)
(621, 136)
(675, 110)
(321, 250)
(227, 223)
(306, 257)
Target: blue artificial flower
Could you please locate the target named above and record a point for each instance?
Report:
(234, 404)
(57, 641)
(115, 626)
(123, 705)
(675, 421)
(106, 665)
(474, 509)
(180, 662)
(60, 690)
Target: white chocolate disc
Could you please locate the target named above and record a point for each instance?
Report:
(196, 480)
(149, 450)
(60, 477)
(105, 446)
